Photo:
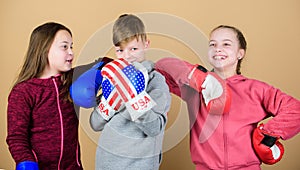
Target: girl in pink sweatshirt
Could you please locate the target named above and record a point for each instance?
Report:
(233, 140)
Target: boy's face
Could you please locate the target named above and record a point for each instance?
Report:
(132, 51)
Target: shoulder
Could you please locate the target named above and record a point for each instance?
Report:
(153, 74)
(156, 79)
(21, 92)
(251, 86)
(31, 86)
(22, 86)
(240, 79)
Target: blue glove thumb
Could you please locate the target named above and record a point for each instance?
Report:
(83, 91)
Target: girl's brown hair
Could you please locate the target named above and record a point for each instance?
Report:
(36, 58)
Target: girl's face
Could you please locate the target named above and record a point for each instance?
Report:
(133, 50)
(60, 54)
(224, 51)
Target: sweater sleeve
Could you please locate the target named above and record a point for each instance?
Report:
(18, 123)
(176, 73)
(286, 112)
(96, 120)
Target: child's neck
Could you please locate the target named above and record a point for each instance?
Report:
(224, 74)
(47, 73)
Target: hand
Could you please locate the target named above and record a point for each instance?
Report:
(130, 81)
(267, 146)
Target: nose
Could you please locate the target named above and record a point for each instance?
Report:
(70, 51)
(126, 54)
(218, 49)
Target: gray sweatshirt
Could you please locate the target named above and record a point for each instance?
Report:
(134, 145)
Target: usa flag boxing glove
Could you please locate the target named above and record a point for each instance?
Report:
(110, 101)
(267, 146)
(130, 81)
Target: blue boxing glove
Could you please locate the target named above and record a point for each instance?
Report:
(84, 89)
(27, 165)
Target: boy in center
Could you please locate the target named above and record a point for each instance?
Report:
(132, 113)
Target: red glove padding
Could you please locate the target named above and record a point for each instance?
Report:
(215, 92)
(267, 146)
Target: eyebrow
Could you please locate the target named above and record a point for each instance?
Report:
(227, 40)
(222, 40)
(65, 42)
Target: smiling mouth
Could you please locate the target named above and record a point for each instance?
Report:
(219, 57)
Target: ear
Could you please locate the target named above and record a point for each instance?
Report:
(147, 43)
(241, 54)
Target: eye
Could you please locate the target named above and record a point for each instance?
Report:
(119, 51)
(65, 47)
(134, 49)
(227, 44)
(212, 44)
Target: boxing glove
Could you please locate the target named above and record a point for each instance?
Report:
(27, 165)
(84, 89)
(110, 100)
(215, 92)
(267, 146)
(130, 81)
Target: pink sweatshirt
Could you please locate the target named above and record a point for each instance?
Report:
(224, 142)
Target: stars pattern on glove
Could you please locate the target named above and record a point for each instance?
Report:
(107, 88)
(136, 77)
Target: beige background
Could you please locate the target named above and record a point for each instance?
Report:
(270, 26)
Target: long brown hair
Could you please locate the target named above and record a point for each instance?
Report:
(242, 43)
(36, 58)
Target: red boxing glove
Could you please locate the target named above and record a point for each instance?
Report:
(267, 146)
(215, 92)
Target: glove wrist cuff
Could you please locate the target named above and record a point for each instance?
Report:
(139, 105)
(197, 76)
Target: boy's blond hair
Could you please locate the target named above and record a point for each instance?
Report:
(126, 28)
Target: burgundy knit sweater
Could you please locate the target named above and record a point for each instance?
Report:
(42, 127)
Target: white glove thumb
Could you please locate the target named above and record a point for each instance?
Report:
(212, 89)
